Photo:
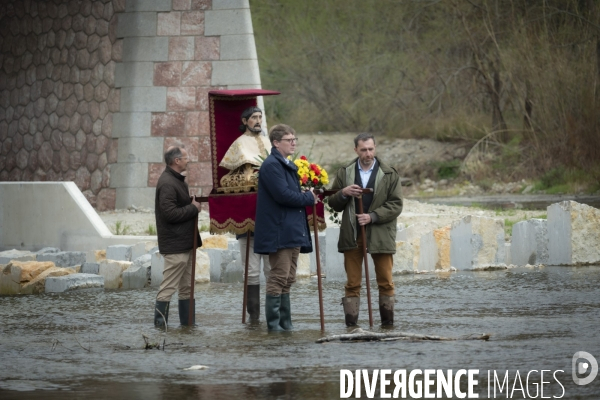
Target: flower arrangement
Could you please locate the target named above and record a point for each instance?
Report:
(311, 175)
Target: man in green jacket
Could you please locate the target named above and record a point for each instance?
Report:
(380, 211)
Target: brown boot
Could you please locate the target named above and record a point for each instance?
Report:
(351, 307)
(386, 309)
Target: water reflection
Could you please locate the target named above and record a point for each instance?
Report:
(90, 344)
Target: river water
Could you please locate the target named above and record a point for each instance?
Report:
(89, 344)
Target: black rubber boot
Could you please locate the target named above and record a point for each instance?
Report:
(184, 312)
(272, 306)
(386, 310)
(351, 307)
(161, 313)
(285, 313)
(253, 302)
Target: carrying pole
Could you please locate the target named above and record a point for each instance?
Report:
(192, 301)
(364, 247)
(318, 258)
(246, 277)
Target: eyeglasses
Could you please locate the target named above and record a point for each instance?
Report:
(293, 140)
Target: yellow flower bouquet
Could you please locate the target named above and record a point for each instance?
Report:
(311, 175)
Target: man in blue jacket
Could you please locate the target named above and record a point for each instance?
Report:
(281, 226)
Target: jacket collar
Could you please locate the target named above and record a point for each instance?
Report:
(175, 173)
(382, 166)
(275, 153)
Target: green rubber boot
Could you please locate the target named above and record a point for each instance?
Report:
(285, 313)
(161, 313)
(272, 313)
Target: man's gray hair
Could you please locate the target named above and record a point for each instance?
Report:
(172, 153)
(279, 131)
(362, 137)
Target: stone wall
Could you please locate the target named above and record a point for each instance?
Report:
(57, 93)
(94, 91)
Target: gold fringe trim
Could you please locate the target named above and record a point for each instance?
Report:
(230, 226)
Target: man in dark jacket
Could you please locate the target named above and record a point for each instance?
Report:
(380, 211)
(281, 226)
(175, 215)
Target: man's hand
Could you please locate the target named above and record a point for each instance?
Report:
(352, 191)
(198, 205)
(312, 190)
(363, 219)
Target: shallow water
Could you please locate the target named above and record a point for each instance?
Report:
(89, 344)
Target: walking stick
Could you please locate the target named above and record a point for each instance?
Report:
(316, 231)
(246, 278)
(192, 301)
(364, 246)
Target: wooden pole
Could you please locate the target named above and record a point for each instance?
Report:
(320, 284)
(192, 303)
(246, 278)
(364, 246)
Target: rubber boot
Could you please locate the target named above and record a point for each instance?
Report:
(285, 313)
(161, 313)
(253, 302)
(184, 312)
(272, 306)
(351, 307)
(386, 310)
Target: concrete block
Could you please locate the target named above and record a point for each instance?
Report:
(119, 252)
(64, 258)
(227, 22)
(140, 196)
(136, 124)
(408, 246)
(90, 268)
(238, 47)
(139, 99)
(112, 271)
(48, 250)
(477, 242)
(141, 249)
(529, 243)
(60, 284)
(147, 5)
(334, 265)
(508, 253)
(38, 284)
(145, 49)
(138, 275)
(130, 175)
(133, 24)
(303, 266)
(214, 256)
(202, 267)
(429, 253)
(404, 258)
(225, 265)
(16, 255)
(157, 262)
(216, 242)
(241, 72)
(140, 150)
(573, 234)
(132, 74)
(230, 4)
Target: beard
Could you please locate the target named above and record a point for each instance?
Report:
(255, 129)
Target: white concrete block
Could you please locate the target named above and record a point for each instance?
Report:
(241, 72)
(16, 255)
(64, 258)
(137, 276)
(573, 234)
(137, 124)
(429, 253)
(227, 22)
(132, 74)
(119, 252)
(112, 271)
(322, 250)
(139, 99)
(334, 265)
(147, 5)
(142, 248)
(156, 270)
(303, 266)
(508, 253)
(60, 284)
(90, 268)
(529, 242)
(129, 175)
(238, 47)
(140, 150)
(477, 242)
(145, 49)
(229, 4)
(137, 24)
(202, 267)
